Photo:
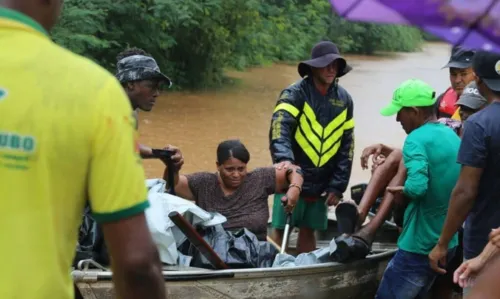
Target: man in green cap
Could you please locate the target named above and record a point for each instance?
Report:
(429, 156)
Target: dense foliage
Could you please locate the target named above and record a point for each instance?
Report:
(194, 40)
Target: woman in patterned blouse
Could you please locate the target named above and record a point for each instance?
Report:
(238, 194)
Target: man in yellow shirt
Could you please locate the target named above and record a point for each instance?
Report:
(66, 135)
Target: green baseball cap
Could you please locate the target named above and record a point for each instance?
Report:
(411, 93)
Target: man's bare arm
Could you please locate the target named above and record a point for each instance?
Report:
(145, 151)
(134, 258)
(462, 199)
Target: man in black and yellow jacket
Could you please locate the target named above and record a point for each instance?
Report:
(313, 127)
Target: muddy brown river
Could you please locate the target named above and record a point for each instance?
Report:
(197, 122)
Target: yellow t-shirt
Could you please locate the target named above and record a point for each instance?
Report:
(66, 135)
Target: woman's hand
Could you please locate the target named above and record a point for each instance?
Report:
(176, 157)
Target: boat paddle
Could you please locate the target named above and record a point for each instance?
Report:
(284, 243)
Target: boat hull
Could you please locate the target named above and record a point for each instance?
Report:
(331, 280)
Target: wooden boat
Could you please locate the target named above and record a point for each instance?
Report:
(357, 279)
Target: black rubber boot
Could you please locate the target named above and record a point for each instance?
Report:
(347, 217)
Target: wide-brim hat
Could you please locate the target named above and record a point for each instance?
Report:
(322, 54)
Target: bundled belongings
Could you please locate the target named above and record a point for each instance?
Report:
(240, 249)
(91, 243)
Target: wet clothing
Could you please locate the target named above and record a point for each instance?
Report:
(429, 154)
(307, 213)
(446, 104)
(246, 207)
(66, 136)
(480, 148)
(316, 132)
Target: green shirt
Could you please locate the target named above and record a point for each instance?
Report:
(430, 156)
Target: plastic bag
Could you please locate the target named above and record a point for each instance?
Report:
(165, 234)
(240, 249)
(318, 256)
(91, 243)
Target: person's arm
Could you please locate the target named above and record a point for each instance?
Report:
(472, 155)
(117, 192)
(289, 180)
(283, 125)
(145, 151)
(341, 173)
(181, 185)
(468, 270)
(486, 285)
(417, 168)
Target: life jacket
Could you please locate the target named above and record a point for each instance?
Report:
(447, 105)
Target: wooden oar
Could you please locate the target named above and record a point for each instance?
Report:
(198, 242)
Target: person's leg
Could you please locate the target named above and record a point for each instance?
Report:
(314, 217)
(407, 276)
(306, 241)
(279, 219)
(378, 182)
(368, 231)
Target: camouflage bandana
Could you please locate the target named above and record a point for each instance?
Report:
(139, 67)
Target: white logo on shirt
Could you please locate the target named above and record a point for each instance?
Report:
(497, 67)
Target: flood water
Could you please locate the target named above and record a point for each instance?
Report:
(197, 122)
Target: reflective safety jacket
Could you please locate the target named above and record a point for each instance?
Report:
(315, 132)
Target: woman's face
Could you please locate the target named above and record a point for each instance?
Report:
(232, 172)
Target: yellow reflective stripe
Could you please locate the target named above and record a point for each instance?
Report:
(309, 113)
(336, 122)
(334, 138)
(288, 108)
(349, 124)
(328, 155)
(306, 147)
(318, 143)
(330, 141)
(304, 125)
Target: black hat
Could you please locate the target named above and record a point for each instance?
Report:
(322, 54)
(460, 58)
(486, 65)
